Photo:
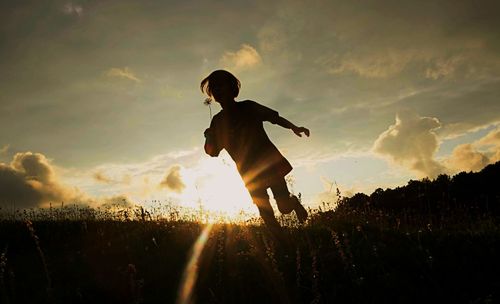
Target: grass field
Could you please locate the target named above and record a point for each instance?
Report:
(342, 256)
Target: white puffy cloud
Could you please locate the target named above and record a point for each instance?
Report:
(245, 58)
(467, 158)
(411, 142)
(475, 156)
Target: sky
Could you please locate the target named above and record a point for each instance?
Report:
(100, 100)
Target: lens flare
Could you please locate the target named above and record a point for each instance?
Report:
(190, 274)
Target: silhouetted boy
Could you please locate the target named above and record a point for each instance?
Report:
(238, 128)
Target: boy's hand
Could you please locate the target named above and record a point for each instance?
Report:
(207, 132)
(299, 130)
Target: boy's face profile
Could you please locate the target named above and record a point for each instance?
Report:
(222, 86)
(223, 93)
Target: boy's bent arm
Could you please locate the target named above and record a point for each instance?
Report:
(285, 123)
(210, 146)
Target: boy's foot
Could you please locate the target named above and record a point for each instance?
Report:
(301, 213)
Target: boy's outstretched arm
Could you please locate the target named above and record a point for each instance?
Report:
(285, 123)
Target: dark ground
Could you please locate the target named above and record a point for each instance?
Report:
(328, 261)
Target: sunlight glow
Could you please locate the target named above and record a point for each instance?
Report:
(216, 186)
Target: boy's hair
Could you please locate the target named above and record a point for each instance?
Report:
(218, 77)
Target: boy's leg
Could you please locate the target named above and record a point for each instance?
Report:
(287, 202)
(261, 200)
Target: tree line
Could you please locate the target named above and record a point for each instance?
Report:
(477, 193)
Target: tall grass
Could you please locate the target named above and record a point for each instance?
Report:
(343, 253)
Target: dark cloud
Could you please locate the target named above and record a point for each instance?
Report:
(29, 181)
(173, 180)
(15, 189)
(34, 166)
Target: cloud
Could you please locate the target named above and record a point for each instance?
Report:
(421, 61)
(245, 58)
(153, 167)
(382, 65)
(29, 181)
(271, 37)
(466, 158)
(411, 142)
(100, 177)
(72, 9)
(173, 180)
(475, 156)
(461, 107)
(15, 189)
(124, 73)
(139, 181)
(491, 139)
(457, 129)
(444, 67)
(4, 149)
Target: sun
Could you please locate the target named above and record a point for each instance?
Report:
(216, 184)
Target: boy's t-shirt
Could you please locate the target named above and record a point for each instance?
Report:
(239, 129)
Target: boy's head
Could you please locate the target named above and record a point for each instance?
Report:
(221, 85)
